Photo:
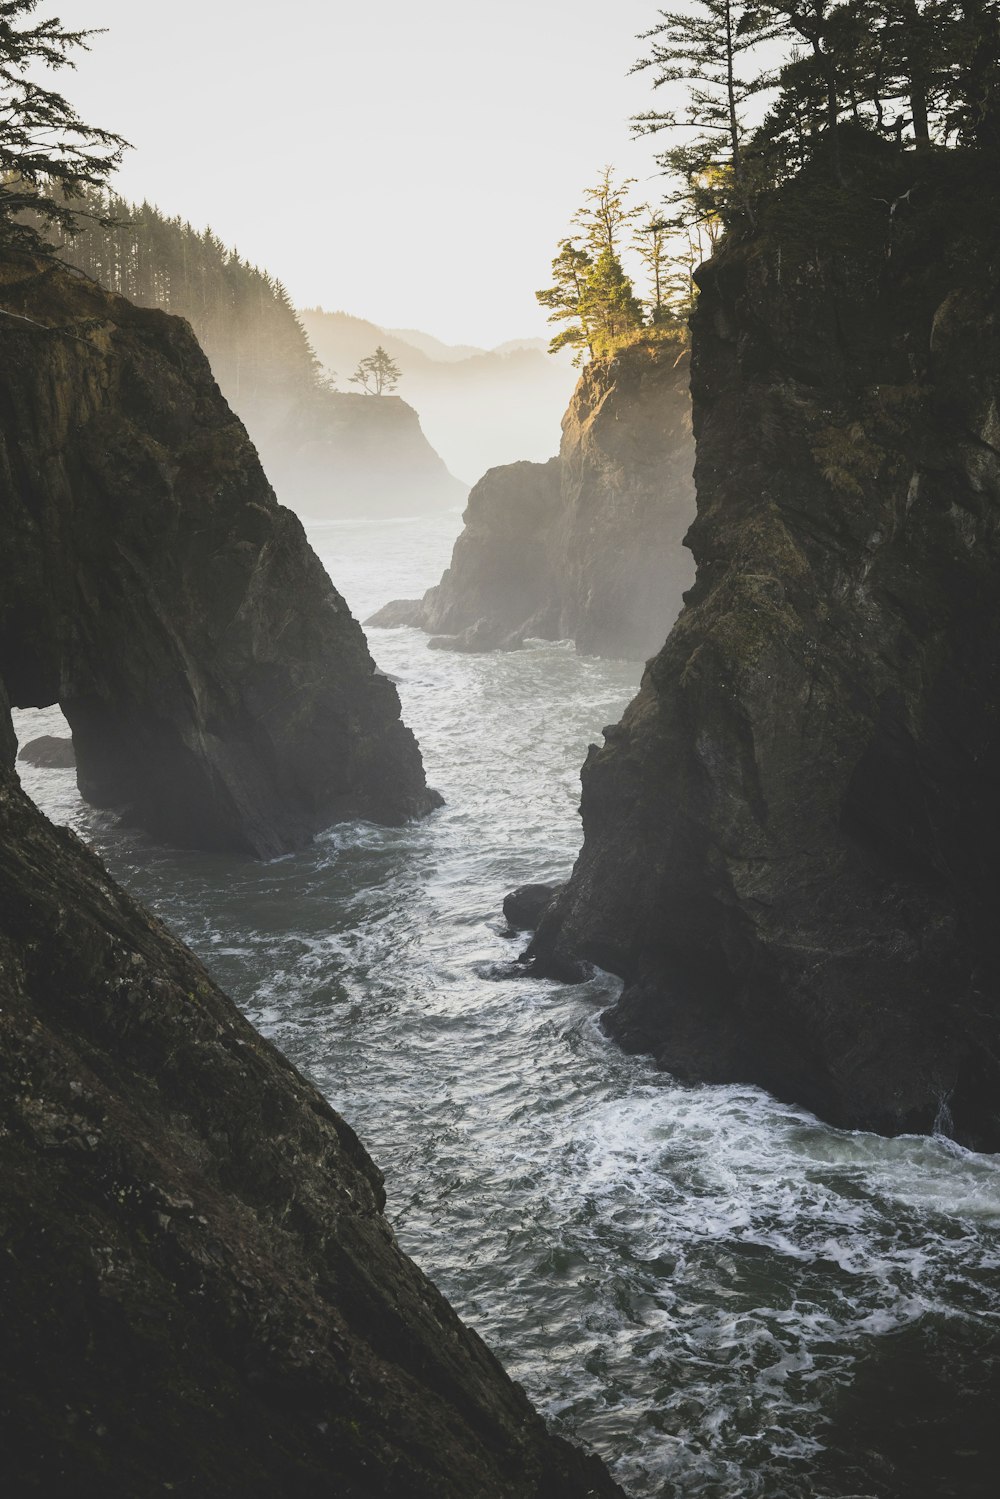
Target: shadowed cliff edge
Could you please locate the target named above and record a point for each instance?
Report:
(792, 839)
(217, 687)
(587, 547)
(200, 1289)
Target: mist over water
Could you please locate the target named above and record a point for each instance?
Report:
(722, 1296)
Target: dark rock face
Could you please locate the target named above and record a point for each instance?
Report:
(200, 1289)
(49, 752)
(588, 546)
(525, 906)
(792, 839)
(215, 681)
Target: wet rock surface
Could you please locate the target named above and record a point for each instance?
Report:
(791, 838)
(525, 906)
(49, 751)
(588, 546)
(201, 1292)
(215, 682)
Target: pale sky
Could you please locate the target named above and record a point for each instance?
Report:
(415, 164)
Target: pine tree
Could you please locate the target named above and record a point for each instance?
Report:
(591, 293)
(609, 304)
(48, 156)
(711, 48)
(606, 213)
(565, 299)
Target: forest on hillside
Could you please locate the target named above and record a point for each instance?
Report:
(242, 316)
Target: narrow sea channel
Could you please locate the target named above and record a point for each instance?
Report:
(721, 1295)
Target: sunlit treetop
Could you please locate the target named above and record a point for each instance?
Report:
(48, 155)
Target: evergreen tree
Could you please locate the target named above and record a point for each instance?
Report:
(672, 249)
(606, 213)
(609, 304)
(710, 48)
(974, 96)
(377, 374)
(243, 318)
(565, 299)
(591, 293)
(652, 244)
(48, 156)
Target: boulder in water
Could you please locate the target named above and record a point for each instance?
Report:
(525, 906)
(49, 752)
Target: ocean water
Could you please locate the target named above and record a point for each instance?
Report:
(718, 1293)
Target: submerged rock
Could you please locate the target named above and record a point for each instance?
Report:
(48, 752)
(214, 679)
(588, 546)
(792, 840)
(201, 1291)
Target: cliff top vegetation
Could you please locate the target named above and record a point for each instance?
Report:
(48, 155)
(835, 89)
(864, 104)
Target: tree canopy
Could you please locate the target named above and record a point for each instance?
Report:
(48, 155)
(591, 294)
(378, 374)
(919, 75)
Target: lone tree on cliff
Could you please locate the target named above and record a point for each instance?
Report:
(48, 156)
(378, 374)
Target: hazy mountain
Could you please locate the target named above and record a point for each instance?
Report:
(479, 409)
(433, 347)
(512, 345)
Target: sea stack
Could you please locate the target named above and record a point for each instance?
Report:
(589, 546)
(218, 689)
(792, 839)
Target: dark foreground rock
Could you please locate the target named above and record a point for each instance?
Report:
(48, 752)
(587, 547)
(792, 840)
(214, 679)
(525, 906)
(201, 1293)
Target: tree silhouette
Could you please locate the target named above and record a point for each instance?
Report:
(377, 374)
(48, 156)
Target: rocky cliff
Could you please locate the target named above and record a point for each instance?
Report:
(333, 453)
(215, 682)
(588, 546)
(792, 839)
(201, 1292)
(480, 408)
